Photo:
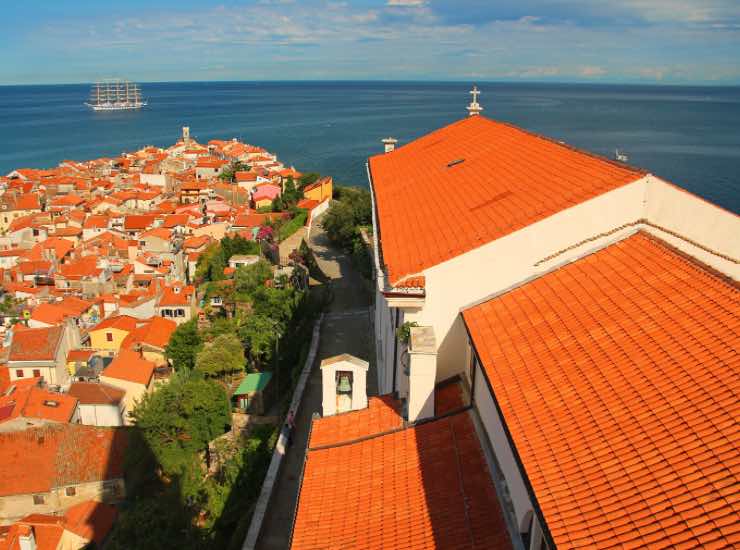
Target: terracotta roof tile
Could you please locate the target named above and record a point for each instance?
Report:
(382, 414)
(617, 376)
(426, 486)
(89, 393)
(35, 344)
(128, 365)
(505, 178)
(59, 455)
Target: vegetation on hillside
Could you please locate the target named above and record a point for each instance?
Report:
(350, 212)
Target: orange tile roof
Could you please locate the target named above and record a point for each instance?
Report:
(156, 332)
(59, 455)
(128, 365)
(382, 414)
(138, 222)
(93, 393)
(618, 379)
(35, 344)
(120, 322)
(504, 179)
(28, 400)
(91, 520)
(426, 486)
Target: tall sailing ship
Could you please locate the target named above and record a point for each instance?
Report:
(115, 95)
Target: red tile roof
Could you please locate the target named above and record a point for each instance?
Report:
(35, 344)
(618, 379)
(92, 393)
(91, 520)
(381, 415)
(59, 455)
(504, 179)
(120, 322)
(28, 400)
(140, 222)
(128, 365)
(156, 332)
(426, 486)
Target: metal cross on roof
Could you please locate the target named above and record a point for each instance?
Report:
(474, 108)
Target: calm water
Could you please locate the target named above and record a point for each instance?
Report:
(689, 135)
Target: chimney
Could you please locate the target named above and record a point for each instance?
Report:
(390, 144)
(186, 134)
(26, 540)
(422, 373)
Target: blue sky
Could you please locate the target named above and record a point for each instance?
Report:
(650, 41)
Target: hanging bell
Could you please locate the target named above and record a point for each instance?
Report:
(344, 385)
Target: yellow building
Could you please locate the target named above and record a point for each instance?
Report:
(262, 203)
(110, 333)
(320, 190)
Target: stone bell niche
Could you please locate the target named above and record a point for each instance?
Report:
(343, 380)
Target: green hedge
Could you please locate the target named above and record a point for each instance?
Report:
(286, 230)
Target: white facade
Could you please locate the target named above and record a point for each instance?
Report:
(343, 384)
(95, 414)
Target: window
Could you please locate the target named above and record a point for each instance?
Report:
(70, 491)
(109, 336)
(36, 373)
(166, 313)
(180, 313)
(38, 499)
(19, 373)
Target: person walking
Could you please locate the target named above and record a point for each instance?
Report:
(290, 426)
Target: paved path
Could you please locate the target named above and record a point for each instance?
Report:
(347, 328)
(291, 243)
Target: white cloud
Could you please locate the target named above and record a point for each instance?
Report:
(406, 3)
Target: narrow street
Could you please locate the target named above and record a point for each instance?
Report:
(347, 328)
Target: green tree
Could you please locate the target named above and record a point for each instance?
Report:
(308, 179)
(225, 355)
(259, 334)
(346, 215)
(291, 194)
(154, 524)
(249, 278)
(179, 419)
(184, 345)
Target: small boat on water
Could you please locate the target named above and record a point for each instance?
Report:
(620, 156)
(115, 95)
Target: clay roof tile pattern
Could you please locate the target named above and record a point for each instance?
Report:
(426, 486)
(504, 178)
(59, 455)
(618, 377)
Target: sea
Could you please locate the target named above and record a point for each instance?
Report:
(687, 135)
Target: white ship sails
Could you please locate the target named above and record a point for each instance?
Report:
(115, 95)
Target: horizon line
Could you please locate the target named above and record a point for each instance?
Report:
(409, 81)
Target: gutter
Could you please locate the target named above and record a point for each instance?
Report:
(379, 273)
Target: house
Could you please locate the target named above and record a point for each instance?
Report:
(252, 395)
(83, 524)
(109, 333)
(528, 203)
(586, 310)
(42, 353)
(92, 469)
(14, 206)
(27, 404)
(209, 167)
(98, 404)
(137, 223)
(611, 379)
(264, 194)
(321, 190)
(94, 226)
(243, 260)
(177, 302)
(132, 374)
(150, 339)
(80, 312)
